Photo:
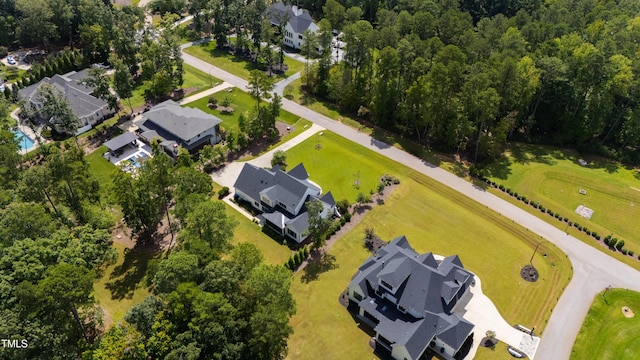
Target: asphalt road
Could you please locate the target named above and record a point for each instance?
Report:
(593, 269)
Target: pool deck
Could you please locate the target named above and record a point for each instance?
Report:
(141, 150)
(37, 140)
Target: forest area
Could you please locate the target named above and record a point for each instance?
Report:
(468, 76)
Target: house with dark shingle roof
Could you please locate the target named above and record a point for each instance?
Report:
(409, 299)
(176, 126)
(296, 21)
(89, 109)
(281, 197)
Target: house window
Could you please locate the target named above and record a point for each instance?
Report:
(357, 296)
(256, 203)
(299, 36)
(401, 308)
(281, 204)
(292, 233)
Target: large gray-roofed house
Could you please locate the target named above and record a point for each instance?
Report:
(408, 300)
(297, 22)
(281, 196)
(177, 126)
(89, 109)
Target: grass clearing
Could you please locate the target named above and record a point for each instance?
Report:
(606, 333)
(235, 65)
(101, 168)
(434, 218)
(500, 352)
(242, 103)
(554, 177)
(247, 231)
(193, 79)
(121, 287)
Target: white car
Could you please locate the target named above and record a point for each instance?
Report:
(11, 60)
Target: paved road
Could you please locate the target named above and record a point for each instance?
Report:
(593, 270)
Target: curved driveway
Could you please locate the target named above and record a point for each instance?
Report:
(593, 269)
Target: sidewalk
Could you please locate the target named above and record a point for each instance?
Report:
(205, 93)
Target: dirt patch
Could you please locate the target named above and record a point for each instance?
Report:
(256, 147)
(628, 313)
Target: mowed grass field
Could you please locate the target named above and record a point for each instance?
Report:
(235, 65)
(606, 332)
(554, 178)
(434, 218)
(247, 231)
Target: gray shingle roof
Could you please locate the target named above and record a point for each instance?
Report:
(299, 172)
(299, 21)
(422, 286)
(120, 141)
(183, 123)
(78, 96)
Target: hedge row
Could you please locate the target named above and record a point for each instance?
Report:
(297, 258)
(613, 243)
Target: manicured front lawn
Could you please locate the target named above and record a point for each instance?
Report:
(434, 218)
(230, 63)
(554, 178)
(500, 352)
(120, 286)
(242, 103)
(193, 79)
(606, 333)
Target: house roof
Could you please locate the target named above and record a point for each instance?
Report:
(120, 141)
(290, 189)
(423, 287)
(179, 123)
(299, 19)
(299, 172)
(80, 98)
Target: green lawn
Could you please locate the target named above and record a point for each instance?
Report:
(230, 63)
(500, 352)
(193, 79)
(120, 286)
(242, 103)
(10, 73)
(554, 177)
(101, 168)
(247, 231)
(434, 218)
(606, 332)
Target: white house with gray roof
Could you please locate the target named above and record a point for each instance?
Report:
(176, 126)
(281, 197)
(409, 298)
(89, 109)
(297, 22)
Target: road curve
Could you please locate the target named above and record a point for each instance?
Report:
(593, 269)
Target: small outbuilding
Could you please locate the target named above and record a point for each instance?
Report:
(117, 144)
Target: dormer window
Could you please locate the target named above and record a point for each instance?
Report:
(386, 284)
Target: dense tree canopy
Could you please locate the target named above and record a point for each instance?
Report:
(468, 76)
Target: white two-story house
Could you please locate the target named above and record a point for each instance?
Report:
(296, 21)
(281, 197)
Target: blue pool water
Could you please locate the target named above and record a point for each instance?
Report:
(25, 142)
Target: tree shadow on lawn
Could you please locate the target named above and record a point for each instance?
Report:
(525, 154)
(125, 278)
(500, 168)
(319, 262)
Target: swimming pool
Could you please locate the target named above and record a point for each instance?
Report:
(25, 142)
